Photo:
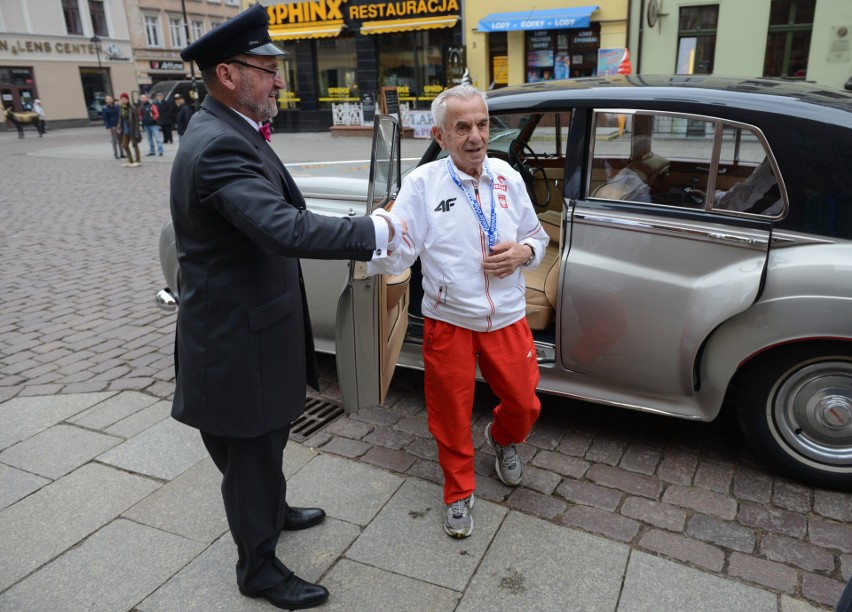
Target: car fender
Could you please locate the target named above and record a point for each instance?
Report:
(768, 324)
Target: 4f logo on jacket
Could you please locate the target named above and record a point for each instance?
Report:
(445, 205)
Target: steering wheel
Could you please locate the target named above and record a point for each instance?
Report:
(523, 159)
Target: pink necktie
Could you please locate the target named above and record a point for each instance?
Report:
(265, 131)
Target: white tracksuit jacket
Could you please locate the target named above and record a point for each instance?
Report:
(443, 230)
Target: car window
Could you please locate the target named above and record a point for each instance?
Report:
(677, 160)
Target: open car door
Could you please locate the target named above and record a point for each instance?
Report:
(372, 313)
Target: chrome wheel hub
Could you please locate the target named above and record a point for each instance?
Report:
(812, 411)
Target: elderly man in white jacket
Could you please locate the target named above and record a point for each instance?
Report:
(473, 226)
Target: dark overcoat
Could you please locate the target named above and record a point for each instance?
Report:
(244, 350)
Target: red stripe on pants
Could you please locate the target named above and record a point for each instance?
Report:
(508, 363)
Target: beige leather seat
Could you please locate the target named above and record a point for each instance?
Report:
(542, 282)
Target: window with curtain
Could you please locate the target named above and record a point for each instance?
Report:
(789, 41)
(153, 32)
(99, 23)
(196, 28)
(177, 32)
(71, 9)
(696, 39)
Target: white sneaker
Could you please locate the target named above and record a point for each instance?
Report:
(508, 464)
(459, 522)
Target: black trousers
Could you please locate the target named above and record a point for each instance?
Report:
(254, 491)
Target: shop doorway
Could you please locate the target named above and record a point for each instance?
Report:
(96, 86)
(17, 88)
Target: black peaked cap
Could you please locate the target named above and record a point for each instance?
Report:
(248, 32)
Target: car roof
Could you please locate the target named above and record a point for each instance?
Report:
(696, 93)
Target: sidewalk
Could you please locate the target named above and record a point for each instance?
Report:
(106, 503)
(133, 520)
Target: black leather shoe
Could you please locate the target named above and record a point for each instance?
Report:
(292, 594)
(302, 518)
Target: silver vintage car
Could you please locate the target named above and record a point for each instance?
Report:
(700, 257)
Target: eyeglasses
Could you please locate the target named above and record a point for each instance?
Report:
(275, 73)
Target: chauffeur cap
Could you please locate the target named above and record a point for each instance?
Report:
(248, 33)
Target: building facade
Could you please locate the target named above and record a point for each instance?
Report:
(352, 51)
(68, 53)
(158, 32)
(794, 39)
(553, 40)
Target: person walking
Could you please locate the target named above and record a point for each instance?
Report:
(149, 115)
(244, 350)
(41, 124)
(183, 115)
(128, 129)
(166, 116)
(109, 114)
(474, 228)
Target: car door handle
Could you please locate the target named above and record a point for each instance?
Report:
(722, 237)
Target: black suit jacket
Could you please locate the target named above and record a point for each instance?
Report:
(244, 350)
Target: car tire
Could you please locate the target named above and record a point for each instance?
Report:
(795, 409)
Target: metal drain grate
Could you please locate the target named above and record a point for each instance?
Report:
(318, 414)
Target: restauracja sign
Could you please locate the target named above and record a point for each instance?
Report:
(332, 10)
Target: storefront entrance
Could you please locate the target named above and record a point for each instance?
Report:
(17, 88)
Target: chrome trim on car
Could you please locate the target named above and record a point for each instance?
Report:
(663, 227)
(166, 300)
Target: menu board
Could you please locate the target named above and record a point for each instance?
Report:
(390, 101)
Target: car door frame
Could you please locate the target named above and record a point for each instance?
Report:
(372, 311)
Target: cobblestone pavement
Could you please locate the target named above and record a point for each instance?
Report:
(79, 249)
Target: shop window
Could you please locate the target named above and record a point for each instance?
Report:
(99, 23)
(337, 67)
(415, 63)
(95, 86)
(562, 54)
(789, 39)
(498, 60)
(153, 32)
(696, 44)
(177, 32)
(71, 8)
(287, 98)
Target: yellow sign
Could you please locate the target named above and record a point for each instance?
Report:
(305, 12)
(500, 70)
(407, 8)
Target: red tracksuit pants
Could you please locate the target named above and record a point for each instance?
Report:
(508, 363)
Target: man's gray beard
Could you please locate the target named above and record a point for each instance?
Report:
(264, 110)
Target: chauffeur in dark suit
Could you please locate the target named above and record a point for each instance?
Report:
(244, 350)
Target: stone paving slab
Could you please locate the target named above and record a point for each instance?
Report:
(190, 505)
(535, 565)
(355, 586)
(112, 570)
(56, 451)
(55, 518)
(112, 410)
(346, 490)
(207, 584)
(413, 520)
(16, 484)
(23, 417)
(141, 420)
(165, 451)
(656, 584)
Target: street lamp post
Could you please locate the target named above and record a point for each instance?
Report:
(191, 64)
(97, 42)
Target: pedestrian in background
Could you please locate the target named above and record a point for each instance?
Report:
(182, 116)
(128, 129)
(166, 118)
(109, 113)
(471, 256)
(244, 349)
(41, 124)
(149, 115)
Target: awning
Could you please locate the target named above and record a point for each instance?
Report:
(554, 19)
(300, 30)
(407, 25)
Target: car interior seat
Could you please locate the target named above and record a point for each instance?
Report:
(542, 282)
